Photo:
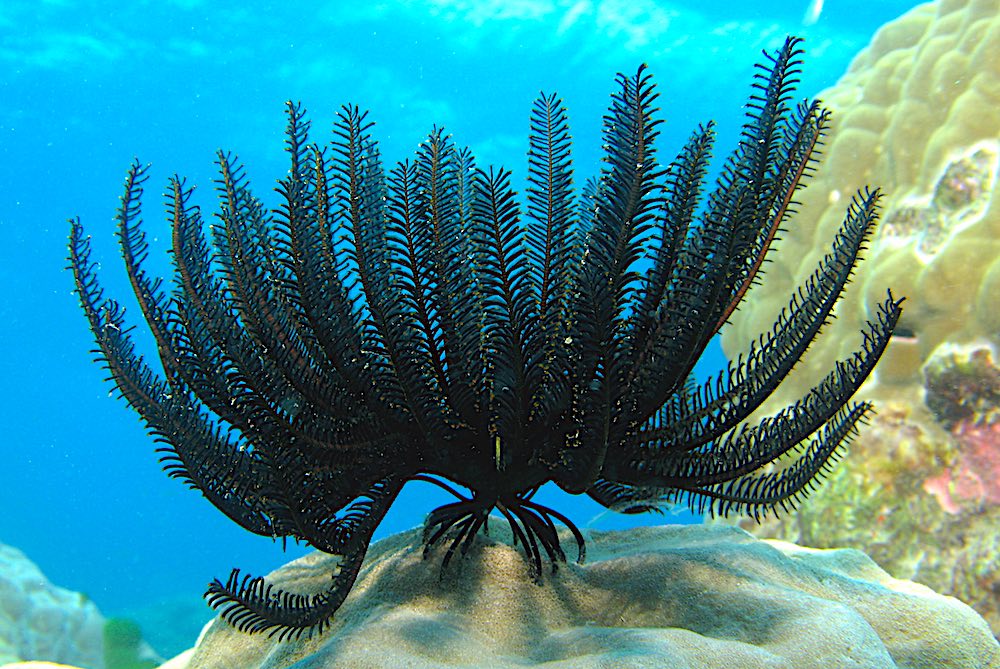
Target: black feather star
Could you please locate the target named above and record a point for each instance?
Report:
(424, 324)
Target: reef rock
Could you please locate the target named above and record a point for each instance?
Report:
(39, 621)
(652, 597)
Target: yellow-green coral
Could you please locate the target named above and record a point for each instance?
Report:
(123, 645)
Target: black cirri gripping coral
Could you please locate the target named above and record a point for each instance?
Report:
(423, 322)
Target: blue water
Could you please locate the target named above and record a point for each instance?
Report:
(83, 92)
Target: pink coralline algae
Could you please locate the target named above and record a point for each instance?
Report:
(976, 475)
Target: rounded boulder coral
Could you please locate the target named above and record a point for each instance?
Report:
(918, 113)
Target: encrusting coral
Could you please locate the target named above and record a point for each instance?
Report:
(963, 394)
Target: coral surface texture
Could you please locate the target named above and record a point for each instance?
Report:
(918, 113)
(666, 596)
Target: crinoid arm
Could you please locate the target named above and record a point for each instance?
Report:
(251, 604)
(703, 264)
(670, 442)
(250, 342)
(629, 499)
(195, 449)
(701, 414)
(693, 444)
(719, 476)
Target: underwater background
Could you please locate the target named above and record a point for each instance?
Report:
(85, 89)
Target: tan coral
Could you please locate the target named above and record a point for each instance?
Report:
(666, 596)
(918, 114)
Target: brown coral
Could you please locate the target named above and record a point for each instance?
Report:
(963, 393)
(963, 387)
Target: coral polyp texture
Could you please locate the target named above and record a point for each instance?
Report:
(423, 324)
(921, 493)
(918, 112)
